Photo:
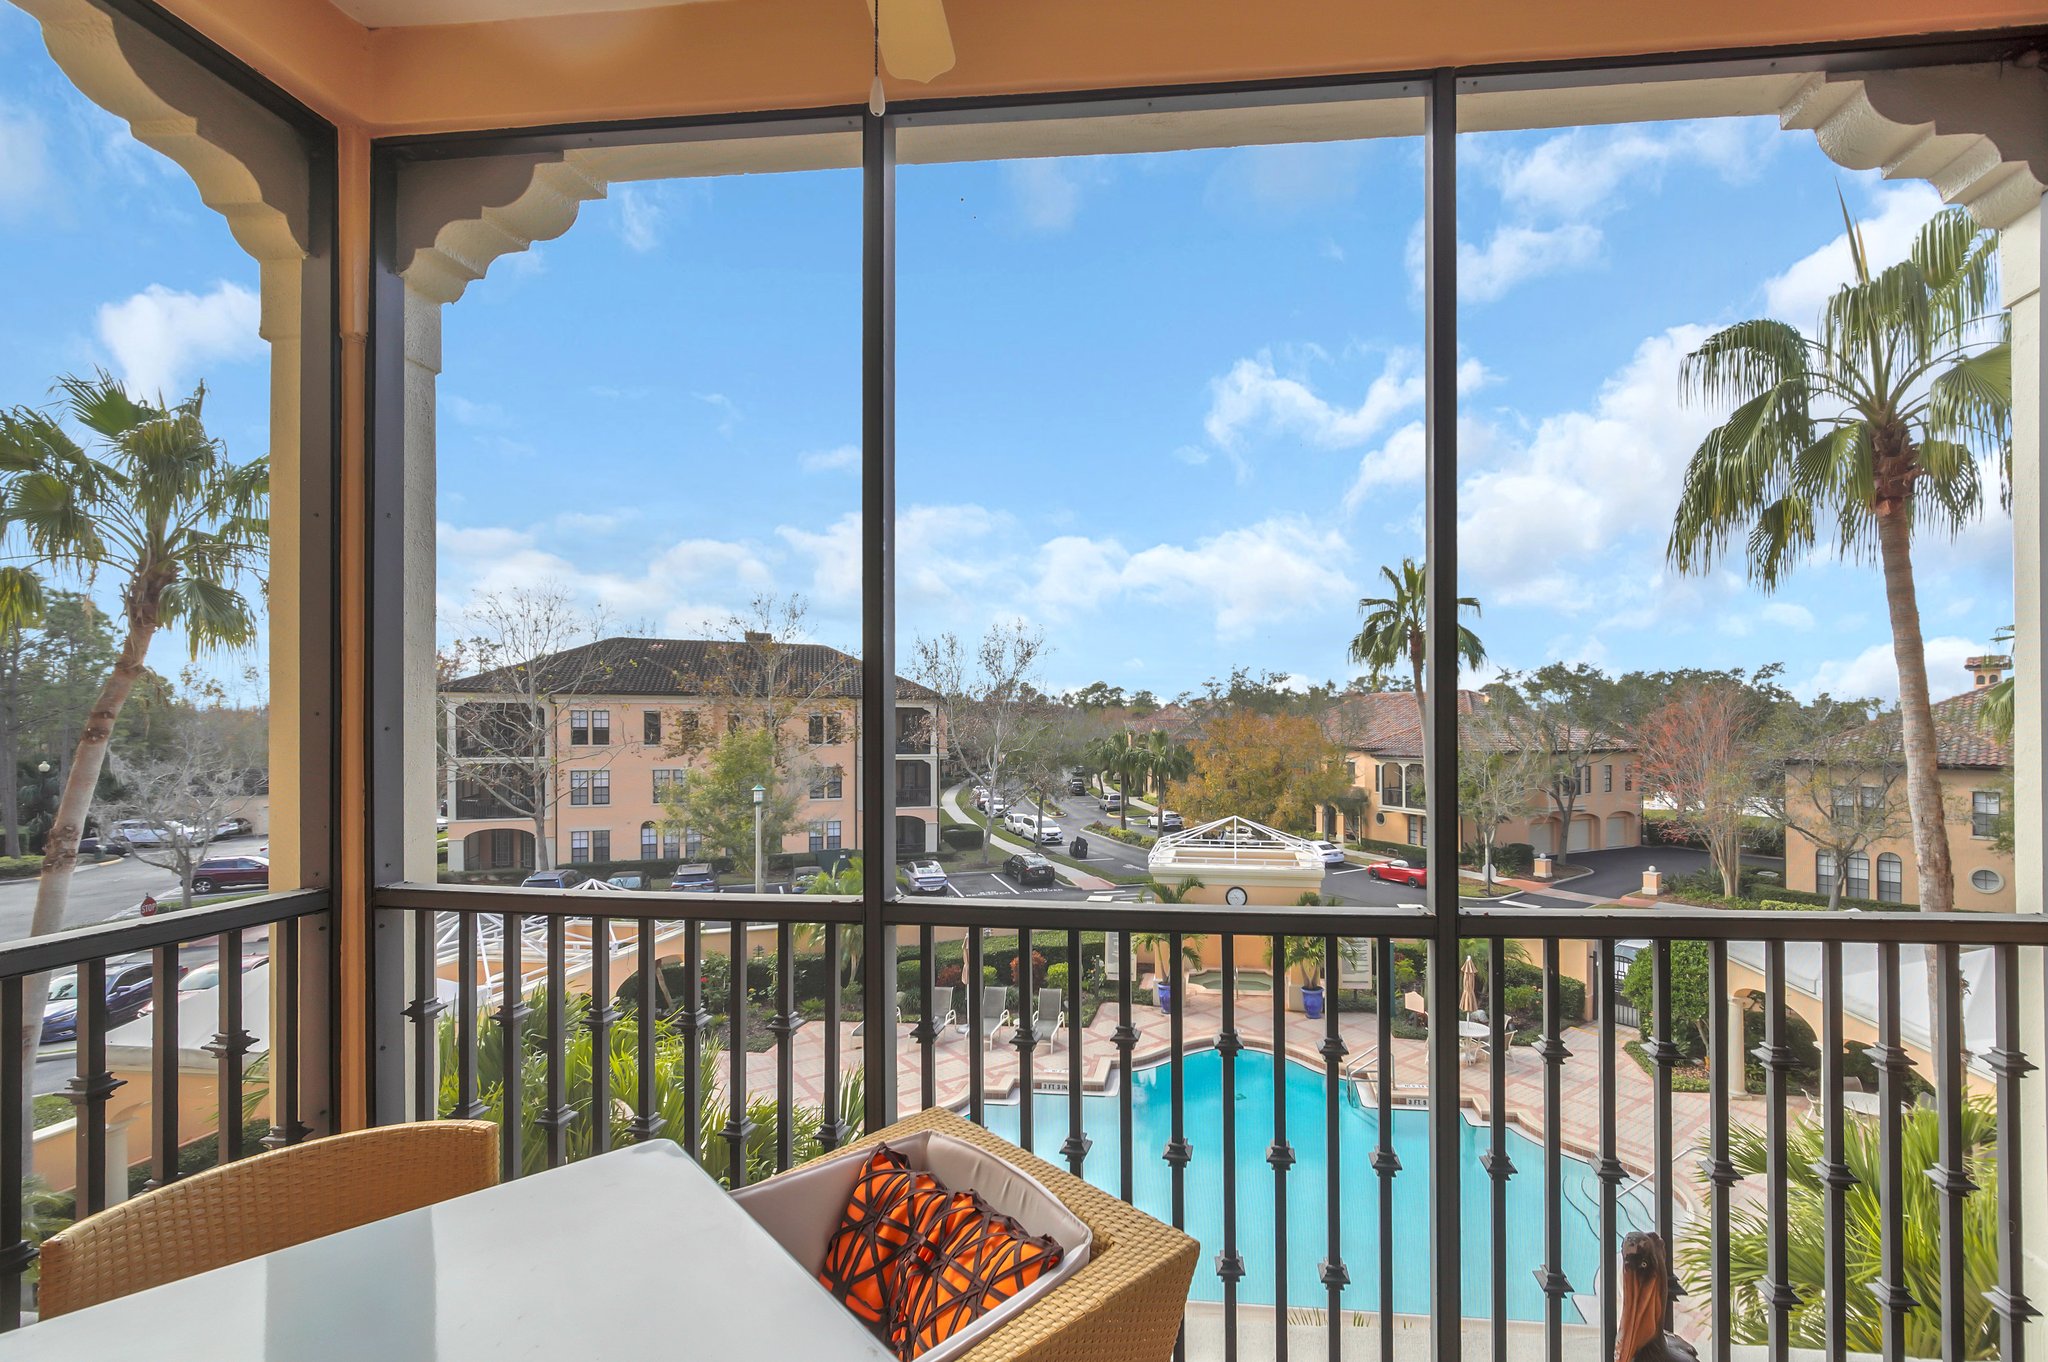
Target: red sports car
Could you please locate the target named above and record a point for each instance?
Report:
(1400, 872)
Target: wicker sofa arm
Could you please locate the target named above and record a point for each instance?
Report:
(1126, 1302)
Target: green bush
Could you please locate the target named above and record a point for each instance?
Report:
(961, 838)
(1056, 976)
(20, 867)
(1509, 858)
(1401, 850)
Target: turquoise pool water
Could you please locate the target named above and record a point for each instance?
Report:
(1307, 1229)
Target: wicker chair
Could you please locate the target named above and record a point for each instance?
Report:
(261, 1204)
(1125, 1305)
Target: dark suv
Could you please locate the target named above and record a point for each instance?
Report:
(230, 872)
(695, 878)
(553, 879)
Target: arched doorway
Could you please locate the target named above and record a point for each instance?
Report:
(498, 849)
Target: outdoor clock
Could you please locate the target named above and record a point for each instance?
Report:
(1234, 896)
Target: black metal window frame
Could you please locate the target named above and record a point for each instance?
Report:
(882, 912)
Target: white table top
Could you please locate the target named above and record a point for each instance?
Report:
(635, 1254)
(1472, 1030)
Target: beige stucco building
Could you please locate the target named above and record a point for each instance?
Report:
(630, 722)
(1382, 738)
(1976, 785)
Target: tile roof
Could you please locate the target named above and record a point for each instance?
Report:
(690, 666)
(1387, 725)
(1961, 738)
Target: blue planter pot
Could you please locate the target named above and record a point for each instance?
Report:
(1312, 1001)
(1163, 991)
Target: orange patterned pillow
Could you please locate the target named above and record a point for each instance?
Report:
(863, 1257)
(965, 1261)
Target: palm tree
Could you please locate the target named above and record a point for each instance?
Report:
(1394, 628)
(1123, 756)
(154, 508)
(1166, 760)
(1809, 1228)
(1865, 433)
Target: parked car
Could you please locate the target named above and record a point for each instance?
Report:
(627, 881)
(800, 878)
(1166, 820)
(1331, 853)
(234, 827)
(696, 877)
(1029, 868)
(140, 832)
(1049, 835)
(203, 979)
(1077, 786)
(1400, 872)
(231, 872)
(129, 987)
(553, 879)
(927, 877)
(1112, 800)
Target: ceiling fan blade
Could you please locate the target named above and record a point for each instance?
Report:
(917, 43)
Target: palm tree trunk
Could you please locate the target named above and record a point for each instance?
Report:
(60, 848)
(1416, 649)
(1916, 719)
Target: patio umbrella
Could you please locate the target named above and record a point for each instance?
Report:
(1468, 986)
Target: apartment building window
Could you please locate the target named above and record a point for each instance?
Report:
(825, 836)
(650, 841)
(668, 783)
(579, 848)
(1412, 794)
(1891, 879)
(502, 850)
(829, 785)
(650, 727)
(671, 843)
(825, 730)
(1607, 778)
(1858, 884)
(1873, 798)
(601, 845)
(688, 726)
(579, 728)
(579, 788)
(1418, 829)
(1390, 785)
(1628, 777)
(600, 787)
(1351, 771)
(1585, 780)
(1843, 802)
(693, 843)
(1985, 807)
(1824, 872)
(600, 728)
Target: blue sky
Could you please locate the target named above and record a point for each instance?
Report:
(1166, 407)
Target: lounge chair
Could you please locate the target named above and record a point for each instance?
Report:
(995, 1013)
(1050, 1004)
(941, 1015)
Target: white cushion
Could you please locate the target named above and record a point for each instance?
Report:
(802, 1208)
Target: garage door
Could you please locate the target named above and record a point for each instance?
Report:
(1539, 838)
(1582, 834)
(1617, 830)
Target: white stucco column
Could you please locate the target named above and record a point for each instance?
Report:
(2021, 267)
(422, 784)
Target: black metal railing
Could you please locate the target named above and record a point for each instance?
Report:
(282, 1069)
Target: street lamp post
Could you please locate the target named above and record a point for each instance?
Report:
(760, 796)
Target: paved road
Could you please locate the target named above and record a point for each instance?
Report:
(99, 891)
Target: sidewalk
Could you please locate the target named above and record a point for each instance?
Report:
(1077, 878)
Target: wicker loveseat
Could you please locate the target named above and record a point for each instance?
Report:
(1123, 1305)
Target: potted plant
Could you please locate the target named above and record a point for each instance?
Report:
(1305, 956)
(1155, 944)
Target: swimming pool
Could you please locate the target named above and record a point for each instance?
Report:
(1307, 1243)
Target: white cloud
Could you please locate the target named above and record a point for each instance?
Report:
(1047, 191)
(1277, 567)
(830, 460)
(1516, 254)
(1285, 178)
(24, 162)
(1398, 462)
(468, 413)
(727, 409)
(162, 340)
(1255, 396)
(1796, 296)
(1874, 673)
(640, 218)
(1073, 572)
(1579, 174)
(1583, 482)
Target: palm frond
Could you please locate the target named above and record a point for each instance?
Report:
(212, 615)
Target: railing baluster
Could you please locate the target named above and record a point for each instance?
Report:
(1893, 1066)
(2009, 1063)
(229, 1045)
(1077, 1143)
(1554, 1053)
(1025, 1037)
(599, 1020)
(285, 1060)
(1229, 1262)
(1500, 1167)
(833, 1131)
(1776, 1056)
(1833, 1168)
(164, 1067)
(1665, 1054)
(646, 1124)
(785, 1026)
(553, 1120)
(977, 1040)
(1178, 1150)
(738, 1128)
(91, 1084)
(1126, 1043)
(15, 1251)
(424, 1012)
(1335, 1277)
(694, 1022)
(1385, 1161)
(1951, 1177)
(468, 1103)
(926, 1032)
(1279, 1154)
(1726, 1066)
(512, 1014)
